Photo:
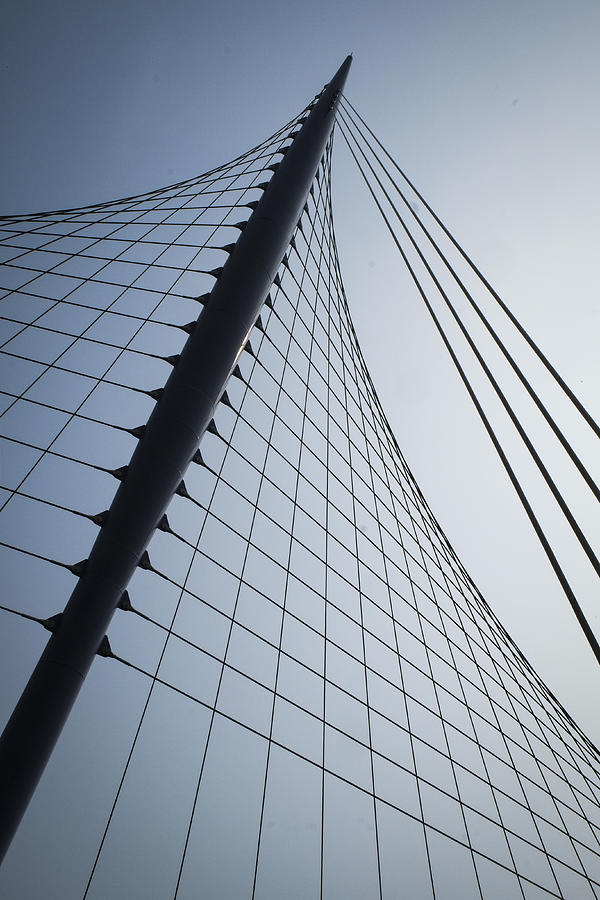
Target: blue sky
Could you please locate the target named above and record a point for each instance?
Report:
(491, 108)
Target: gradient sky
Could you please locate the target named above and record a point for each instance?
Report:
(493, 111)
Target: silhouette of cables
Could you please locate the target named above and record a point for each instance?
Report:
(358, 144)
(282, 379)
(301, 684)
(513, 319)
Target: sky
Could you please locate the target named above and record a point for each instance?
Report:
(492, 110)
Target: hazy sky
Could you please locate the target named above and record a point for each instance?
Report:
(491, 108)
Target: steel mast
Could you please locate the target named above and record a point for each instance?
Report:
(167, 445)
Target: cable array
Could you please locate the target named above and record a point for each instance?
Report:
(303, 692)
(441, 284)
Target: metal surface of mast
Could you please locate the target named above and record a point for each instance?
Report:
(161, 457)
